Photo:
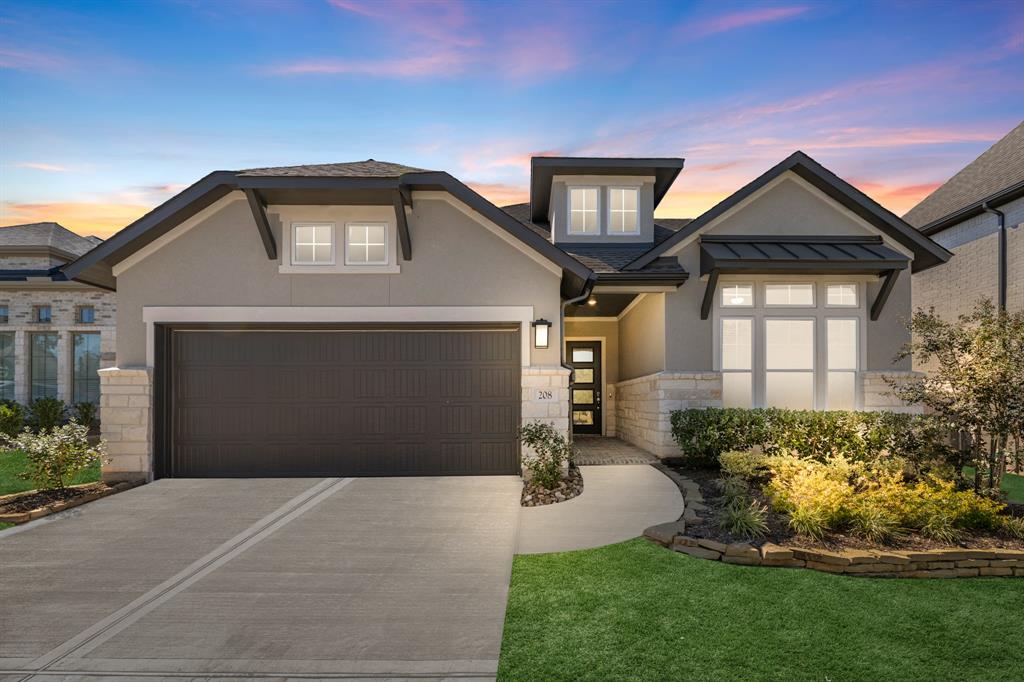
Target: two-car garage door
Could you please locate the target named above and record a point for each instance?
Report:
(339, 402)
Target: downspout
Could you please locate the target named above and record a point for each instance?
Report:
(1002, 253)
(588, 288)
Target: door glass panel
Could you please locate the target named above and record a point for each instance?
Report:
(791, 390)
(584, 376)
(582, 354)
(583, 417)
(737, 389)
(789, 344)
(583, 397)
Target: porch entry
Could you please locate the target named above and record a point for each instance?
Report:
(585, 358)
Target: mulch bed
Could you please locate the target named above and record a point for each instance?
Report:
(568, 488)
(779, 532)
(34, 499)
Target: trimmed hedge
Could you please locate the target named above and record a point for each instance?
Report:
(704, 434)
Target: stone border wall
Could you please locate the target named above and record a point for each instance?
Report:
(644, 406)
(878, 395)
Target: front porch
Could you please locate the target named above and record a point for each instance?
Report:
(602, 451)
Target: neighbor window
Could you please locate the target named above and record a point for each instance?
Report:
(366, 244)
(622, 210)
(5, 314)
(737, 362)
(789, 363)
(842, 364)
(583, 210)
(789, 294)
(42, 314)
(85, 314)
(43, 366)
(737, 295)
(85, 382)
(313, 244)
(7, 366)
(841, 295)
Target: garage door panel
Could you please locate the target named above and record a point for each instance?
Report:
(343, 403)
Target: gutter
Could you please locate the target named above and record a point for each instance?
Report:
(588, 288)
(1002, 252)
(1001, 197)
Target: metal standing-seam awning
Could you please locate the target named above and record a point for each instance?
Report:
(804, 255)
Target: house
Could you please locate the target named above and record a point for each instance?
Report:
(54, 333)
(371, 318)
(976, 215)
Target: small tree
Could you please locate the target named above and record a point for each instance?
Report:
(550, 453)
(974, 380)
(55, 456)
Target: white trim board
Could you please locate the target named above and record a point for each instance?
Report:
(153, 315)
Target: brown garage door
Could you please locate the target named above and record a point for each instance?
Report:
(340, 402)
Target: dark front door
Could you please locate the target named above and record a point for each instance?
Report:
(341, 402)
(585, 358)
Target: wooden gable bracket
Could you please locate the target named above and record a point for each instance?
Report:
(259, 214)
(709, 294)
(404, 239)
(883, 293)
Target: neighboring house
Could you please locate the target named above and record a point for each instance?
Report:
(375, 319)
(54, 333)
(964, 215)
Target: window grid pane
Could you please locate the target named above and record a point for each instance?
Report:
(583, 211)
(367, 244)
(43, 366)
(737, 389)
(737, 344)
(7, 362)
(741, 295)
(842, 390)
(790, 390)
(842, 344)
(623, 210)
(841, 295)
(85, 384)
(789, 344)
(789, 294)
(313, 245)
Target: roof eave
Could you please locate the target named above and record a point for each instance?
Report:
(1001, 197)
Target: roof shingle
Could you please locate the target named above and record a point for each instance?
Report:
(351, 169)
(46, 235)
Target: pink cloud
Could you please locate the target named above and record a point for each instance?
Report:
(730, 22)
(439, 64)
(501, 194)
(32, 61)
(48, 167)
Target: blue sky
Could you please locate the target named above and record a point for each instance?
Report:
(109, 108)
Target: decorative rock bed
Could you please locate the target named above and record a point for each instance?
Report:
(569, 487)
(954, 562)
(89, 492)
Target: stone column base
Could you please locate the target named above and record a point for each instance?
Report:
(878, 394)
(126, 423)
(644, 406)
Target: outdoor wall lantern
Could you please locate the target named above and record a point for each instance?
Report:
(541, 328)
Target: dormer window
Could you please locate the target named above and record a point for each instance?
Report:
(314, 244)
(583, 210)
(622, 210)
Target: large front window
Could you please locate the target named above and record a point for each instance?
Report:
(43, 366)
(7, 366)
(85, 382)
(789, 347)
(583, 210)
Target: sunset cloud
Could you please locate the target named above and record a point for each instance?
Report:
(85, 218)
(500, 194)
(48, 167)
(723, 23)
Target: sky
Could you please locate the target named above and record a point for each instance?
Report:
(109, 108)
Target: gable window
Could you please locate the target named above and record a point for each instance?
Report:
(366, 244)
(85, 314)
(583, 210)
(313, 244)
(799, 295)
(841, 295)
(42, 314)
(622, 210)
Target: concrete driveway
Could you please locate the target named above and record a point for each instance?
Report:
(264, 578)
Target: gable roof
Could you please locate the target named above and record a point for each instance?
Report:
(49, 236)
(926, 252)
(544, 168)
(999, 168)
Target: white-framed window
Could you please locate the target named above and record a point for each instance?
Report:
(623, 210)
(737, 361)
(583, 210)
(842, 358)
(789, 363)
(789, 295)
(366, 244)
(841, 295)
(737, 295)
(312, 244)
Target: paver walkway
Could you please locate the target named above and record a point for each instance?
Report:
(595, 450)
(618, 503)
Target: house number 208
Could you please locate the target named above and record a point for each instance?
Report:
(545, 395)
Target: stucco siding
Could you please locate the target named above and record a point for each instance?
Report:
(222, 262)
(642, 338)
(889, 333)
(688, 339)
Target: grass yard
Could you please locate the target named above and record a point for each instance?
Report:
(636, 611)
(12, 464)
(1012, 484)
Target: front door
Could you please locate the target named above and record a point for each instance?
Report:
(585, 358)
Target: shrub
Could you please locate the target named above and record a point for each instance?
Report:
(46, 414)
(749, 465)
(12, 417)
(85, 413)
(744, 517)
(1014, 526)
(56, 455)
(733, 488)
(550, 453)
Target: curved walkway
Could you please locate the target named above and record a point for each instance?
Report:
(618, 503)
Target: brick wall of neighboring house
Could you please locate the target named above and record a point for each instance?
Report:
(64, 302)
(28, 262)
(973, 272)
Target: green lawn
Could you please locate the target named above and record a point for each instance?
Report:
(1012, 484)
(636, 611)
(12, 463)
